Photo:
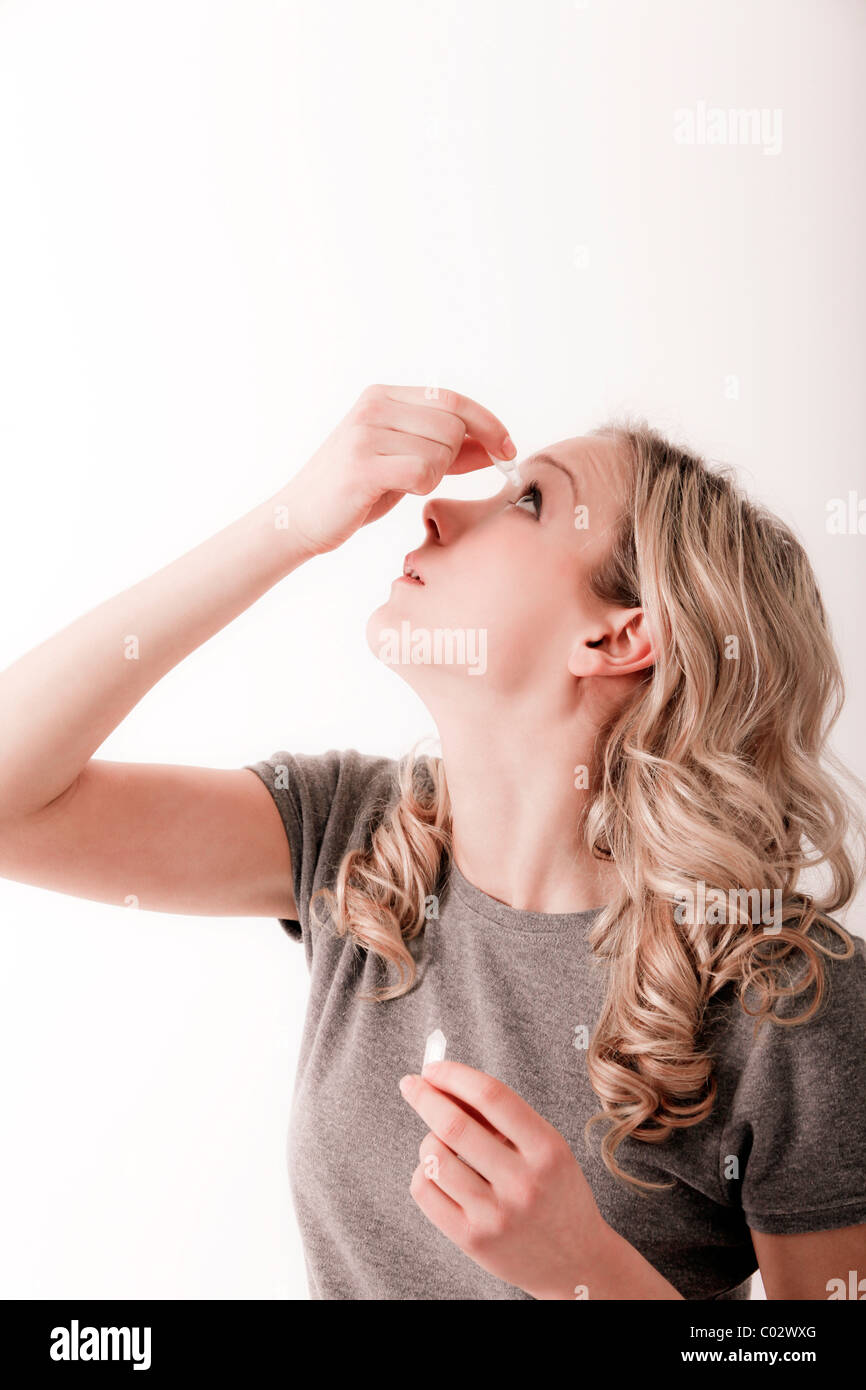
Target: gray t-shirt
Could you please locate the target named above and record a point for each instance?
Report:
(512, 992)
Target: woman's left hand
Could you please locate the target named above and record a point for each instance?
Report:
(502, 1183)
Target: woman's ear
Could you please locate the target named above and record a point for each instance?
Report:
(618, 646)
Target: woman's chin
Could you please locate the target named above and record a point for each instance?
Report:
(380, 623)
(395, 609)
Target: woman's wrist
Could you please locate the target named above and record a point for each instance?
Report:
(284, 546)
(608, 1267)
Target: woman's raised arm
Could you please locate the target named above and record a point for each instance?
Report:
(188, 839)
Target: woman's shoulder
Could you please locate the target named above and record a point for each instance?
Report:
(367, 784)
(329, 802)
(348, 769)
(334, 788)
(823, 1018)
(792, 1098)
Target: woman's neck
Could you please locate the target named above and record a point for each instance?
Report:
(516, 818)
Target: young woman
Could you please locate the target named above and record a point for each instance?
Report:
(656, 1039)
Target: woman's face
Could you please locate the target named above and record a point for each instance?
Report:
(505, 597)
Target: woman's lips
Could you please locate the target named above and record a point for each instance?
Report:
(409, 564)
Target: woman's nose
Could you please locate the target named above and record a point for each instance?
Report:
(430, 517)
(446, 517)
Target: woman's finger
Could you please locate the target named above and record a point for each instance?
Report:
(472, 456)
(487, 428)
(403, 473)
(450, 1174)
(422, 420)
(475, 1143)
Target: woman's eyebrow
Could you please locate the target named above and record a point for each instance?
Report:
(554, 463)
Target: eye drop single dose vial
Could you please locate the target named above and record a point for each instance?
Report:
(511, 472)
(435, 1049)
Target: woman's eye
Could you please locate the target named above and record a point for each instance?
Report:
(531, 492)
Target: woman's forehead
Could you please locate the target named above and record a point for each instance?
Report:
(596, 465)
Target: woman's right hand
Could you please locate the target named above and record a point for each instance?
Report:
(394, 440)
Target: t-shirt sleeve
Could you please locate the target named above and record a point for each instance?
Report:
(329, 803)
(797, 1122)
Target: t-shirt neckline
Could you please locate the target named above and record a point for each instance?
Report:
(489, 909)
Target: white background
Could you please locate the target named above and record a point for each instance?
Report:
(218, 222)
